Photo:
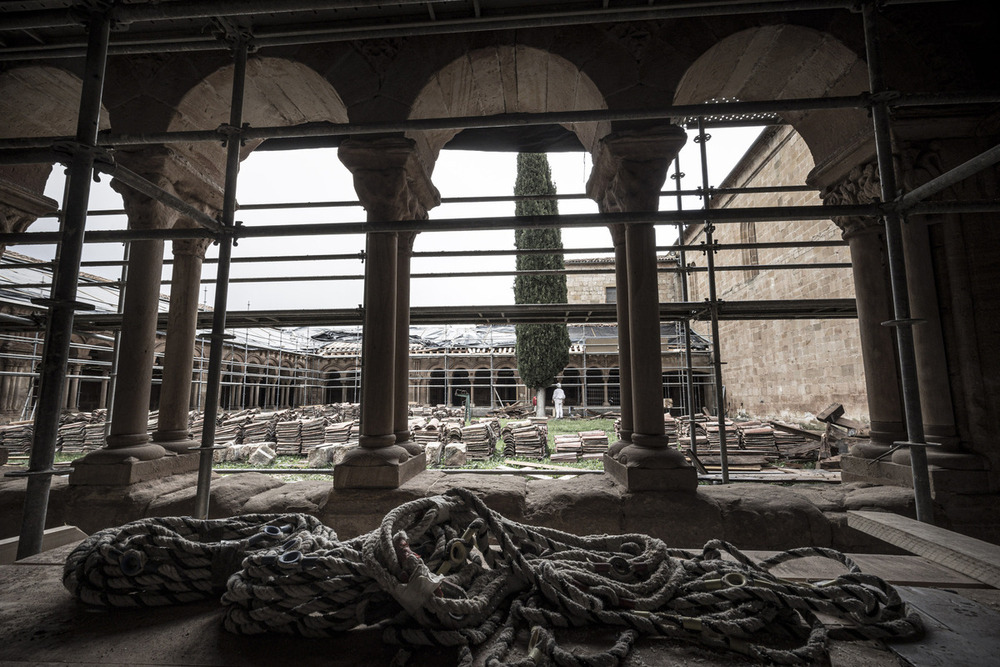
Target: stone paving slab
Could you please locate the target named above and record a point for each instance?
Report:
(41, 624)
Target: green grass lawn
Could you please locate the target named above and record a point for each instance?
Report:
(555, 427)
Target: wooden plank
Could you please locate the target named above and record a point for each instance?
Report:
(975, 558)
(896, 569)
(51, 538)
(798, 431)
(959, 631)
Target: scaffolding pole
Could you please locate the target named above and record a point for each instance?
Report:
(685, 296)
(713, 307)
(903, 322)
(62, 302)
(218, 335)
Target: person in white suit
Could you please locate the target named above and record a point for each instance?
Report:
(559, 396)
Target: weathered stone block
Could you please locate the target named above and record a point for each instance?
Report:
(455, 454)
(433, 453)
(262, 456)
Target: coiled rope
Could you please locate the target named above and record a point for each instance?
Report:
(448, 571)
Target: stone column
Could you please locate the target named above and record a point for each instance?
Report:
(401, 397)
(629, 171)
(129, 437)
(873, 293)
(73, 390)
(172, 428)
(624, 343)
(921, 161)
(392, 185)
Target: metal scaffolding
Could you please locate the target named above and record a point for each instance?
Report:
(85, 154)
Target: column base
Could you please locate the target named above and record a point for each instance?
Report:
(944, 458)
(403, 440)
(942, 480)
(367, 470)
(868, 450)
(87, 472)
(616, 447)
(634, 478)
(179, 442)
(112, 455)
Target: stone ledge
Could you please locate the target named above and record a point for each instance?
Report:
(943, 481)
(131, 471)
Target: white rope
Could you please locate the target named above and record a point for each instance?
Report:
(448, 571)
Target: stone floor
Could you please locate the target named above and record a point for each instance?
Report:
(41, 624)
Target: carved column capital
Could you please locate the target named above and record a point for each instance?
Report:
(191, 247)
(20, 207)
(389, 178)
(860, 186)
(405, 241)
(630, 168)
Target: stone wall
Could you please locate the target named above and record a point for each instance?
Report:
(593, 288)
(784, 368)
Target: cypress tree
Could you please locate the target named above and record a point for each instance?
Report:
(542, 349)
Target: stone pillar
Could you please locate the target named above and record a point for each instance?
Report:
(172, 428)
(129, 456)
(73, 389)
(629, 171)
(873, 293)
(624, 343)
(392, 185)
(921, 161)
(401, 397)
(130, 412)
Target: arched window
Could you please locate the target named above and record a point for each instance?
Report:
(482, 387)
(614, 388)
(595, 387)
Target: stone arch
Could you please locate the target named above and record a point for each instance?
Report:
(35, 101)
(278, 92)
(437, 387)
(505, 79)
(38, 101)
(482, 386)
(783, 62)
(572, 384)
(506, 385)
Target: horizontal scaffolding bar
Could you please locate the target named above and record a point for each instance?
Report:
(690, 216)
(326, 129)
(313, 33)
(478, 274)
(499, 314)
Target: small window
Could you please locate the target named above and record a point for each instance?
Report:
(748, 234)
(610, 295)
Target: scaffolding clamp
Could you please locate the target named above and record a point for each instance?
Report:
(71, 149)
(907, 322)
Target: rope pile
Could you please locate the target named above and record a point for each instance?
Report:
(448, 571)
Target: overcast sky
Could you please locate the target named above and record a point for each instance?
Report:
(317, 175)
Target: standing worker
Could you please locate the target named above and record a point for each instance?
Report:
(559, 396)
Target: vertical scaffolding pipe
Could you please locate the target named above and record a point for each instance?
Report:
(222, 284)
(685, 296)
(62, 302)
(897, 273)
(713, 304)
(109, 401)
